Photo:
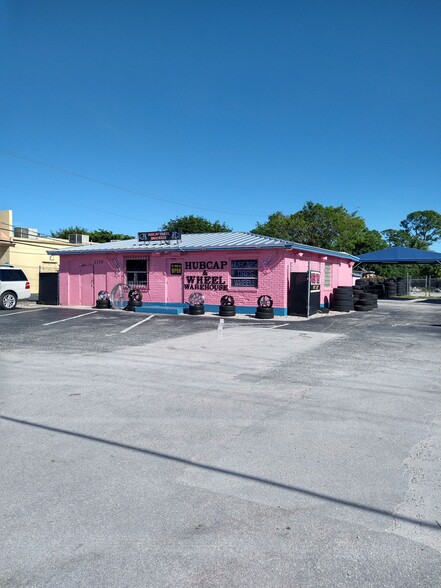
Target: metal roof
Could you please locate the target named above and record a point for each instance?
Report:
(400, 255)
(200, 242)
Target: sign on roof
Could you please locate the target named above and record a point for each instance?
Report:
(160, 236)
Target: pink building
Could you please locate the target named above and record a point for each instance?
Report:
(242, 265)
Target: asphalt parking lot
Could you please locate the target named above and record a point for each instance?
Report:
(144, 450)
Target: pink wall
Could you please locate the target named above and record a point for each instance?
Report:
(274, 266)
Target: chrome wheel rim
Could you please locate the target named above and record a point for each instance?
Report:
(8, 301)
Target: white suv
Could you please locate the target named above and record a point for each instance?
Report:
(14, 286)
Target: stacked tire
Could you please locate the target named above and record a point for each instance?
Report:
(102, 300)
(195, 309)
(226, 306)
(135, 300)
(342, 299)
(196, 303)
(401, 287)
(365, 302)
(391, 288)
(357, 293)
(361, 284)
(264, 308)
(378, 289)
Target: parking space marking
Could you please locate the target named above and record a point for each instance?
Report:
(23, 311)
(70, 318)
(138, 323)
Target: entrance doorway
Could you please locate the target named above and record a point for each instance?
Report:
(86, 285)
(174, 283)
(304, 293)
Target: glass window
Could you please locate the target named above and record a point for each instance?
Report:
(12, 275)
(244, 273)
(136, 272)
(327, 281)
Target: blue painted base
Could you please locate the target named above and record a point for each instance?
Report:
(161, 309)
(178, 308)
(246, 309)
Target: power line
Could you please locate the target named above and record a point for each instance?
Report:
(121, 188)
(10, 229)
(101, 210)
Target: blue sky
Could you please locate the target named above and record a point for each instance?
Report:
(225, 109)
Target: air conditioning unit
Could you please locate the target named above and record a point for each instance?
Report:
(79, 239)
(25, 233)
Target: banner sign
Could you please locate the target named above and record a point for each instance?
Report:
(160, 236)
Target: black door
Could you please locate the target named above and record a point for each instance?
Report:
(298, 295)
(48, 288)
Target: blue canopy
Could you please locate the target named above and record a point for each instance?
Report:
(400, 255)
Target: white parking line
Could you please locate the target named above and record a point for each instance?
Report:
(138, 323)
(22, 312)
(70, 318)
(278, 326)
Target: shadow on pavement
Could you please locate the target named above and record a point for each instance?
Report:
(429, 301)
(224, 471)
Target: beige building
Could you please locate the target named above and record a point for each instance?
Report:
(23, 247)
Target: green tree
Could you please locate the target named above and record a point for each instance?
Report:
(420, 230)
(195, 224)
(397, 238)
(64, 233)
(424, 225)
(105, 236)
(329, 227)
(96, 236)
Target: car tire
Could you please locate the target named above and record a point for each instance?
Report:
(227, 310)
(8, 300)
(264, 312)
(336, 298)
(362, 307)
(196, 309)
(102, 303)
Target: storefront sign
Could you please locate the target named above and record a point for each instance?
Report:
(176, 269)
(205, 282)
(160, 236)
(244, 273)
(244, 263)
(205, 265)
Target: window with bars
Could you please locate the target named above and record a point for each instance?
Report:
(137, 272)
